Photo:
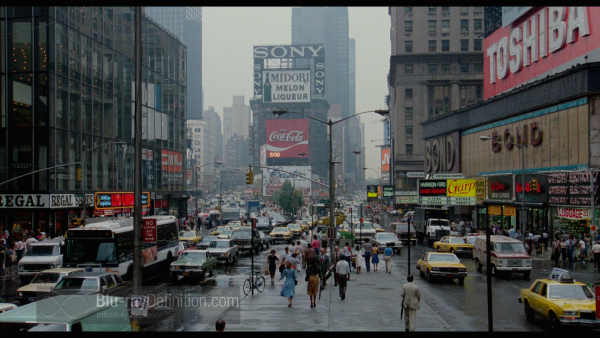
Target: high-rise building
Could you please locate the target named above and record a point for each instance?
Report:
(436, 67)
(215, 152)
(186, 24)
(70, 100)
(236, 152)
(236, 119)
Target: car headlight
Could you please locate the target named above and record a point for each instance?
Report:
(21, 267)
(174, 267)
(225, 254)
(571, 313)
(527, 262)
(500, 262)
(20, 294)
(435, 269)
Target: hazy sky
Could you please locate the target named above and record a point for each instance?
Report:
(229, 33)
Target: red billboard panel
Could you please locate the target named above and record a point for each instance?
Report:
(532, 46)
(287, 138)
(172, 161)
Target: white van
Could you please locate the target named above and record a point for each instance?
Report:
(508, 255)
(42, 255)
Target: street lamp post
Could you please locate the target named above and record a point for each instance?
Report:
(330, 123)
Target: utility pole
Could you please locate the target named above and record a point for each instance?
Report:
(137, 222)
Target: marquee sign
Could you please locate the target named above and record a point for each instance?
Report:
(118, 200)
(572, 188)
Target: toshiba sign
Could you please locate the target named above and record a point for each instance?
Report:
(538, 42)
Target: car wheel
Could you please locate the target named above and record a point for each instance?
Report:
(420, 272)
(428, 276)
(203, 276)
(494, 271)
(529, 314)
(554, 322)
(461, 280)
(452, 250)
(478, 265)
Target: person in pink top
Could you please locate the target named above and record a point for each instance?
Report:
(315, 244)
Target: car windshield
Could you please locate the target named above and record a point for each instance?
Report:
(262, 221)
(294, 226)
(471, 240)
(42, 250)
(367, 226)
(193, 256)
(443, 258)
(46, 277)
(569, 291)
(387, 237)
(208, 239)
(241, 235)
(280, 230)
(90, 250)
(77, 284)
(457, 240)
(219, 244)
(227, 232)
(440, 223)
(509, 247)
(187, 234)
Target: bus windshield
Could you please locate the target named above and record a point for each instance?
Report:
(90, 250)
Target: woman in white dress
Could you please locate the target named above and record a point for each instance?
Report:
(360, 260)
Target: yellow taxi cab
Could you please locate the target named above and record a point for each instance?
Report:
(219, 229)
(296, 229)
(378, 228)
(303, 224)
(443, 265)
(281, 234)
(235, 225)
(561, 300)
(191, 236)
(455, 245)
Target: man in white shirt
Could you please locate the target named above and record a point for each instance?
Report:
(343, 273)
(582, 250)
(29, 241)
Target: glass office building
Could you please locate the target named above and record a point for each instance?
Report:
(67, 95)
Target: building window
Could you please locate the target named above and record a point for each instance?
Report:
(478, 67)
(432, 26)
(408, 112)
(477, 26)
(409, 149)
(432, 9)
(408, 26)
(464, 67)
(432, 45)
(439, 100)
(432, 68)
(477, 45)
(409, 131)
(464, 25)
(445, 26)
(464, 45)
(469, 95)
(408, 9)
(445, 45)
(408, 69)
(408, 46)
(445, 68)
(478, 8)
(464, 9)
(445, 9)
(408, 94)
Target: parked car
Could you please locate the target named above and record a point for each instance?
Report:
(193, 263)
(561, 300)
(224, 250)
(203, 245)
(40, 256)
(88, 283)
(192, 237)
(455, 245)
(4, 307)
(382, 238)
(508, 255)
(67, 313)
(43, 283)
(441, 265)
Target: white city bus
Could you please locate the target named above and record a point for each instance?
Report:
(108, 246)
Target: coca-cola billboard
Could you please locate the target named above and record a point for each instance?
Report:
(287, 138)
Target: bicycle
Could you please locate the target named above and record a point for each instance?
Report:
(258, 283)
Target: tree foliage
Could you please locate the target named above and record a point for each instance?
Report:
(289, 198)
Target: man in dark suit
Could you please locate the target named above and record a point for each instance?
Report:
(324, 264)
(335, 258)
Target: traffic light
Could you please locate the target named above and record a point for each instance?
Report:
(534, 185)
(79, 175)
(249, 177)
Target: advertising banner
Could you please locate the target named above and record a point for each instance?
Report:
(461, 192)
(574, 213)
(118, 200)
(536, 188)
(273, 180)
(287, 138)
(286, 86)
(172, 161)
(385, 164)
(480, 190)
(536, 43)
(372, 192)
(572, 188)
(500, 187)
(388, 192)
(433, 192)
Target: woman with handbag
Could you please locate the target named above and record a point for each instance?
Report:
(312, 277)
(272, 260)
(289, 285)
(375, 257)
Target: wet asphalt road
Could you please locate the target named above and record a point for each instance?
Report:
(464, 308)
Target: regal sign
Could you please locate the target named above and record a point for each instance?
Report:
(287, 138)
(441, 154)
(24, 201)
(536, 43)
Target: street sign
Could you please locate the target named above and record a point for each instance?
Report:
(323, 201)
(447, 176)
(149, 231)
(139, 306)
(329, 232)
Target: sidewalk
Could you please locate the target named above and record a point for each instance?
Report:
(372, 303)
